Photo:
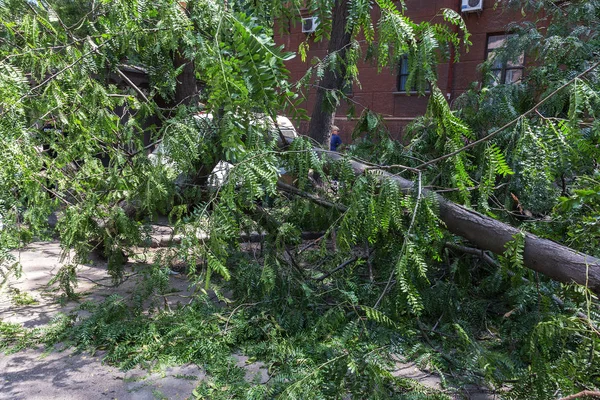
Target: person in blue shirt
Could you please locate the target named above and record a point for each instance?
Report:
(335, 138)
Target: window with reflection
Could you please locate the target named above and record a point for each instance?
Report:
(402, 79)
(503, 72)
(403, 74)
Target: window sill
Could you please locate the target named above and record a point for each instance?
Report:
(411, 93)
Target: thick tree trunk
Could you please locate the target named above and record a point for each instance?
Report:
(323, 112)
(550, 258)
(186, 90)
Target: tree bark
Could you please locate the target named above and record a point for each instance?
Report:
(186, 89)
(333, 79)
(545, 256)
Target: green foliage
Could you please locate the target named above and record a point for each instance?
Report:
(305, 359)
(424, 44)
(513, 253)
(20, 298)
(497, 166)
(576, 215)
(8, 268)
(326, 327)
(66, 277)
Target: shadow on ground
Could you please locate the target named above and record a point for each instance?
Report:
(31, 374)
(36, 374)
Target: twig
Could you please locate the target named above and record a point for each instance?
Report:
(508, 124)
(315, 199)
(469, 189)
(96, 282)
(294, 263)
(57, 195)
(313, 372)
(134, 86)
(450, 360)
(56, 74)
(369, 264)
(441, 353)
(126, 79)
(341, 266)
(473, 251)
(238, 307)
(166, 302)
(415, 170)
(309, 245)
(412, 222)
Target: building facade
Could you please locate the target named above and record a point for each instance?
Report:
(384, 92)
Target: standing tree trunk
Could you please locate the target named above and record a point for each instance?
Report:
(324, 110)
(186, 89)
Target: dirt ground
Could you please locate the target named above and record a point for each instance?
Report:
(34, 374)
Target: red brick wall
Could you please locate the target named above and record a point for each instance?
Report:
(378, 90)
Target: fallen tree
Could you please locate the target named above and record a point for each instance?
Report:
(283, 301)
(542, 255)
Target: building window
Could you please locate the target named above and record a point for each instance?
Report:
(403, 74)
(503, 72)
(347, 88)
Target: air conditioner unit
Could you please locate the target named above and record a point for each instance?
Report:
(471, 5)
(310, 24)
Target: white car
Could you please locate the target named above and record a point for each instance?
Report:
(219, 174)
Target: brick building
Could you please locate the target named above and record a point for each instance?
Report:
(385, 93)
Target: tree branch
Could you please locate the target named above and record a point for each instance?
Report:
(315, 199)
(585, 393)
(336, 269)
